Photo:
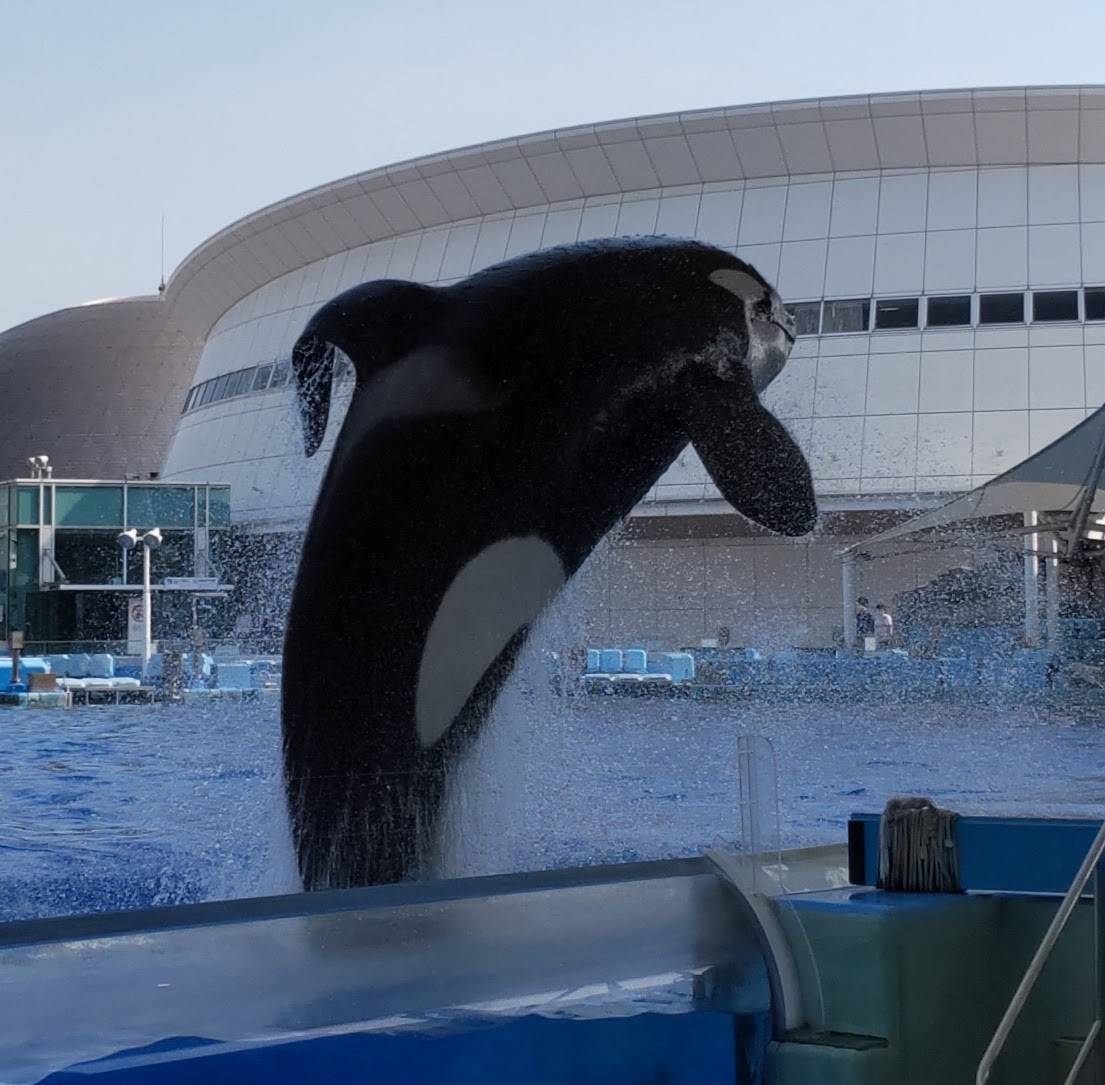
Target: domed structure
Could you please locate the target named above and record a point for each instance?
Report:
(97, 388)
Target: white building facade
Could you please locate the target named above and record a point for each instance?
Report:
(944, 253)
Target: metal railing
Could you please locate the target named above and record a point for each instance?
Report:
(1091, 865)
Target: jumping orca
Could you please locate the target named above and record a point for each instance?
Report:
(499, 428)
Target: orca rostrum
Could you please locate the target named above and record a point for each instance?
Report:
(498, 430)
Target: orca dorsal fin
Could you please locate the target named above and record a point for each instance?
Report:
(374, 325)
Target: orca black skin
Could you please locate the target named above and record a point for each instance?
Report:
(498, 430)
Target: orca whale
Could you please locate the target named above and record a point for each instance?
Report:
(499, 428)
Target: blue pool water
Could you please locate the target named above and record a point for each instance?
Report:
(107, 808)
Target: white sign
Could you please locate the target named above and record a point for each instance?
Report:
(192, 583)
(136, 628)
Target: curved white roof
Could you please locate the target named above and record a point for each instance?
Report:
(987, 127)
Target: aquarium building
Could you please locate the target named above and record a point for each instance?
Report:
(944, 253)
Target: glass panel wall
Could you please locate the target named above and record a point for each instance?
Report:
(24, 575)
(26, 505)
(174, 557)
(89, 506)
(89, 556)
(219, 505)
(160, 506)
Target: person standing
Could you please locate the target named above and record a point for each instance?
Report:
(865, 620)
(884, 624)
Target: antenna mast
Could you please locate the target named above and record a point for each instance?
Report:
(161, 282)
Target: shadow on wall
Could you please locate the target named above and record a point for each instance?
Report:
(661, 596)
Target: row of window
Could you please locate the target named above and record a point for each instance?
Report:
(256, 378)
(948, 311)
(116, 507)
(810, 318)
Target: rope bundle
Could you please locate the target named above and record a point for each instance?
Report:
(917, 851)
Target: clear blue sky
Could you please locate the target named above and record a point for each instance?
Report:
(113, 111)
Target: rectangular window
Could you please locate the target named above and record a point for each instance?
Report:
(218, 505)
(188, 401)
(89, 506)
(952, 311)
(261, 377)
(241, 381)
(1095, 303)
(1001, 308)
(846, 316)
(1052, 305)
(90, 557)
(897, 312)
(807, 317)
(219, 391)
(25, 574)
(279, 374)
(26, 506)
(159, 506)
(204, 396)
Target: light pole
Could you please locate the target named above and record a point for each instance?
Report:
(151, 540)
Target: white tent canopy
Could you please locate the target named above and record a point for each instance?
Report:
(1063, 480)
(1055, 479)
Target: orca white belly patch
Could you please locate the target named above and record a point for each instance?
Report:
(498, 592)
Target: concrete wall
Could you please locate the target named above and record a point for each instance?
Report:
(770, 592)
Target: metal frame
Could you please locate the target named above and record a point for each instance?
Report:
(1092, 865)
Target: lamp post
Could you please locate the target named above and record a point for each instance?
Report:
(151, 540)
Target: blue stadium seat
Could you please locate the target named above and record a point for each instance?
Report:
(610, 660)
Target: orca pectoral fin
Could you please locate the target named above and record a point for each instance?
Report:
(757, 466)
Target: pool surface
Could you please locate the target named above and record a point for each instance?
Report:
(110, 808)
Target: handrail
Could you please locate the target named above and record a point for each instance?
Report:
(1039, 959)
(1083, 1053)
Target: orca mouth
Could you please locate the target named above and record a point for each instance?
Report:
(313, 366)
(786, 331)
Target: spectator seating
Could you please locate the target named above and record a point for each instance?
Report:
(635, 669)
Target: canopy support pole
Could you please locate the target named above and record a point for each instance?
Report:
(1052, 570)
(1085, 503)
(848, 586)
(1031, 583)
